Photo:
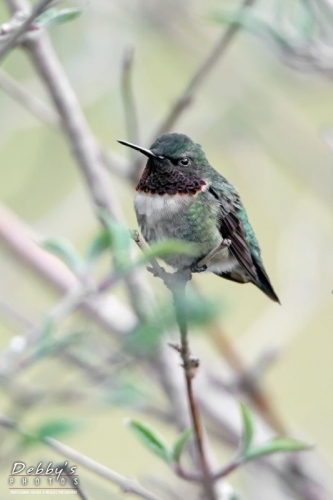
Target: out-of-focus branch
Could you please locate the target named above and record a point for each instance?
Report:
(249, 385)
(81, 140)
(186, 98)
(12, 40)
(110, 313)
(131, 115)
(112, 162)
(27, 100)
(127, 485)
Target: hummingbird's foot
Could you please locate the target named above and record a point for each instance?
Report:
(201, 265)
(197, 269)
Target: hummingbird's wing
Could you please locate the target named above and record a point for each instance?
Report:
(232, 228)
(234, 225)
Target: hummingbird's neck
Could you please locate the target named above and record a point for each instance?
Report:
(166, 181)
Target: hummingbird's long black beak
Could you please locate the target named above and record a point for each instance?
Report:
(144, 151)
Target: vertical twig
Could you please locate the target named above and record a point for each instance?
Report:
(178, 290)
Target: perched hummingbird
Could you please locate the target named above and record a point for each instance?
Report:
(181, 196)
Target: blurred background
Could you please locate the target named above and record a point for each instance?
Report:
(263, 117)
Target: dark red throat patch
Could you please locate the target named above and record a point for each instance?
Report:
(172, 183)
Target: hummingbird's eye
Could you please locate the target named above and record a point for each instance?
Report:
(184, 161)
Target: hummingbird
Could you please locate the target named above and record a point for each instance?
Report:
(181, 196)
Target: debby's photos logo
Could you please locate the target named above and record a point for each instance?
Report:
(43, 479)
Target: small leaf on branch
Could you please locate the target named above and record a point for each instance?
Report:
(55, 17)
(120, 241)
(55, 428)
(165, 248)
(276, 445)
(180, 443)
(151, 439)
(100, 244)
(248, 429)
(52, 428)
(65, 251)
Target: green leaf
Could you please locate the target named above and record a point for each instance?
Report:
(164, 248)
(180, 443)
(120, 241)
(54, 17)
(200, 310)
(276, 446)
(248, 429)
(44, 347)
(100, 244)
(151, 439)
(254, 23)
(55, 428)
(66, 252)
(126, 395)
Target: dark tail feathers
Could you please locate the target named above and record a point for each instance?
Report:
(264, 283)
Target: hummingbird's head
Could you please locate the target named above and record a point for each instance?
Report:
(173, 151)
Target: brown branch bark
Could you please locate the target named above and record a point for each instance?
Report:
(179, 292)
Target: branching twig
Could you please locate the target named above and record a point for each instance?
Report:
(22, 242)
(14, 37)
(112, 162)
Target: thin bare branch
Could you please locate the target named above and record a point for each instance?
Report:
(23, 243)
(112, 162)
(187, 96)
(127, 485)
(81, 140)
(33, 104)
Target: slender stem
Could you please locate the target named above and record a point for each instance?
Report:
(179, 293)
(33, 104)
